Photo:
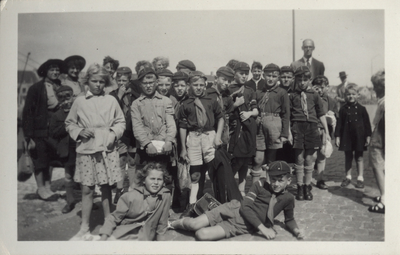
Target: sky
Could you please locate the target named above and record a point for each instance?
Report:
(345, 40)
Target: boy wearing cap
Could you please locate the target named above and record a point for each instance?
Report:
(274, 109)
(164, 82)
(186, 66)
(307, 109)
(242, 144)
(152, 123)
(256, 82)
(256, 212)
(111, 66)
(198, 117)
(126, 145)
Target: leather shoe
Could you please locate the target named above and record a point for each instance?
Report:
(300, 192)
(307, 192)
(321, 185)
(67, 208)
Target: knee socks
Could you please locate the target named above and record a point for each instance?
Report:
(308, 174)
(299, 174)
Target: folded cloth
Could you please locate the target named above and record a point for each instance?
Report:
(158, 144)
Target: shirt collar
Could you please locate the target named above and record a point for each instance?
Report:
(156, 95)
(146, 193)
(257, 81)
(305, 59)
(90, 94)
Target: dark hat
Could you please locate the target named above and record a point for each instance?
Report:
(277, 168)
(79, 59)
(186, 64)
(286, 69)
(63, 88)
(145, 71)
(198, 74)
(226, 71)
(301, 70)
(165, 72)
(342, 74)
(124, 70)
(319, 80)
(178, 76)
(45, 66)
(272, 68)
(241, 66)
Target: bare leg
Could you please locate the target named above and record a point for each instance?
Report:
(106, 199)
(309, 161)
(358, 155)
(40, 183)
(348, 162)
(122, 163)
(299, 166)
(87, 203)
(191, 224)
(258, 161)
(210, 233)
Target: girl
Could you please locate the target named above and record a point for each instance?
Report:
(95, 122)
(353, 133)
(141, 214)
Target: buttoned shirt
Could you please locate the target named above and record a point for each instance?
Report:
(315, 106)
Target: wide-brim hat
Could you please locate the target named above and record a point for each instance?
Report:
(342, 74)
(80, 59)
(51, 62)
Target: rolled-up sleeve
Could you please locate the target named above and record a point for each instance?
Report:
(138, 128)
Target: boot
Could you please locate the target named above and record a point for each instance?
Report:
(300, 192)
(307, 192)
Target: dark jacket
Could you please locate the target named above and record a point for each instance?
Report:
(58, 132)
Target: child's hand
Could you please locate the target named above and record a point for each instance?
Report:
(167, 148)
(290, 138)
(245, 115)
(323, 149)
(337, 142)
(121, 91)
(299, 233)
(86, 133)
(368, 140)
(217, 142)
(239, 101)
(151, 150)
(269, 233)
(111, 140)
(184, 156)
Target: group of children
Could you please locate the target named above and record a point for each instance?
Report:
(107, 130)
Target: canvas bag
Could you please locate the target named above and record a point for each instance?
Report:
(25, 165)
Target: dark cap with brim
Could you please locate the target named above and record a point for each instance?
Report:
(124, 70)
(180, 76)
(319, 80)
(146, 71)
(278, 168)
(51, 62)
(197, 74)
(63, 88)
(287, 69)
(241, 66)
(165, 72)
(226, 71)
(301, 70)
(271, 68)
(186, 64)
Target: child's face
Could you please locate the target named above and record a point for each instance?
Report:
(256, 72)
(65, 100)
(159, 65)
(164, 85)
(96, 84)
(154, 181)
(223, 82)
(180, 88)
(302, 82)
(287, 78)
(73, 72)
(241, 76)
(53, 72)
(198, 87)
(351, 96)
(110, 68)
(321, 89)
(279, 183)
(148, 85)
(271, 78)
(122, 80)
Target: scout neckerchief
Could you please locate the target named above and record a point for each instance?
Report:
(272, 202)
(200, 112)
(219, 97)
(303, 100)
(265, 98)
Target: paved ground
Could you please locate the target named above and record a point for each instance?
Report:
(336, 214)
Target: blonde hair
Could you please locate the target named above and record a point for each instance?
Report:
(352, 86)
(164, 61)
(96, 69)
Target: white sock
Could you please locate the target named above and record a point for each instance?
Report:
(242, 185)
(193, 193)
(360, 178)
(348, 176)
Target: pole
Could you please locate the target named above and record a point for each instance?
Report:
(293, 35)
(23, 72)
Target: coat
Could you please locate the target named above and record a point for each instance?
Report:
(317, 67)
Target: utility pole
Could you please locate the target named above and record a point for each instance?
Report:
(23, 72)
(293, 35)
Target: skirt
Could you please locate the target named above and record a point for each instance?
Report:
(98, 168)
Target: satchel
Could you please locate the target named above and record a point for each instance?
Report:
(25, 165)
(183, 174)
(205, 203)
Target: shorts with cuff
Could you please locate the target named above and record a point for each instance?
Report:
(306, 135)
(228, 217)
(200, 145)
(269, 133)
(45, 151)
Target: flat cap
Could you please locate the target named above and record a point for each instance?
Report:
(277, 168)
(226, 71)
(145, 71)
(301, 70)
(63, 88)
(319, 80)
(287, 69)
(241, 66)
(124, 70)
(179, 76)
(165, 72)
(186, 64)
(272, 68)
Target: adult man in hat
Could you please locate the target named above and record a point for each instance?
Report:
(316, 67)
(186, 66)
(340, 89)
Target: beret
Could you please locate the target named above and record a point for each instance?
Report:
(63, 88)
(319, 80)
(301, 70)
(226, 71)
(42, 71)
(198, 74)
(79, 59)
(272, 68)
(165, 72)
(286, 69)
(124, 70)
(277, 168)
(145, 71)
(241, 66)
(186, 64)
(178, 76)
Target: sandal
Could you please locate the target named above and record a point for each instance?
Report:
(377, 208)
(377, 199)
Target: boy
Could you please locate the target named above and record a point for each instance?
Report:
(152, 123)
(198, 116)
(256, 82)
(256, 212)
(242, 144)
(321, 85)
(111, 66)
(164, 82)
(287, 78)
(306, 108)
(273, 131)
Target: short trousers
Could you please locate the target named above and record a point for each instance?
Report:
(306, 135)
(45, 151)
(70, 160)
(377, 159)
(269, 133)
(200, 145)
(228, 217)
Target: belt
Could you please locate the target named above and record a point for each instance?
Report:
(269, 114)
(199, 131)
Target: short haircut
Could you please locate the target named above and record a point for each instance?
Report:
(256, 65)
(164, 62)
(148, 76)
(378, 78)
(144, 172)
(232, 63)
(113, 62)
(352, 86)
(96, 69)
(144, 63)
